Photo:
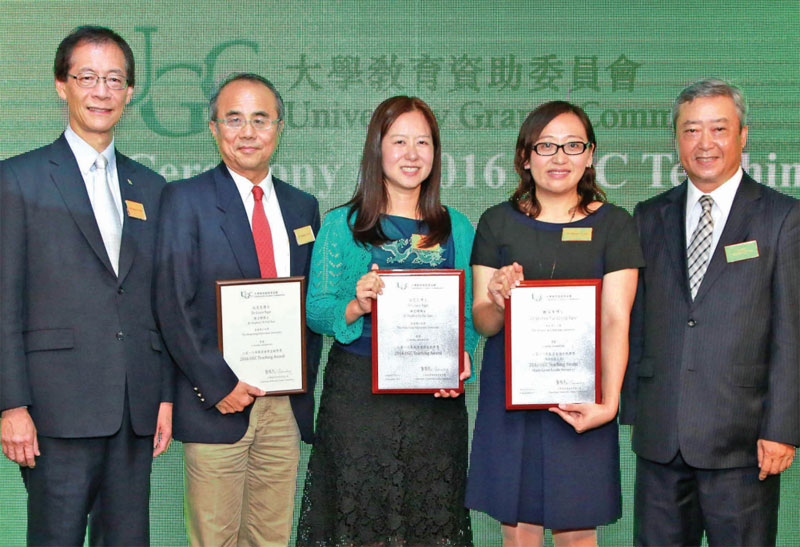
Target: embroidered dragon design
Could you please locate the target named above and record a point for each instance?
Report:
(401, 250)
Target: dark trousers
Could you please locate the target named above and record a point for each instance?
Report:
(675, 502)
(104, 478)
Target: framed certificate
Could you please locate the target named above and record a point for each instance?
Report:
(261, 327)
(552, 342)
(418, 332)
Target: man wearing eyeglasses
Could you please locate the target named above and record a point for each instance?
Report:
(236, 221)
(85, 387)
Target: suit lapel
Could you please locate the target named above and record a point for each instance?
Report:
(736, 228)
(234, 223)
(673, 215)
(68, 179)
(292, 221)
(131, 228)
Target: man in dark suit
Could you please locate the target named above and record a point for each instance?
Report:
(713, 382)
(235, 221)
(85, 387)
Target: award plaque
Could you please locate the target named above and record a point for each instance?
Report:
(261, 328)
(552, 343)
(418, 332)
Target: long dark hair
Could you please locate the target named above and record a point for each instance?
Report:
(524, 197)
(370, 198)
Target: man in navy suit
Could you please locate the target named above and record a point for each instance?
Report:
(713, 381)
(241, 447)
(85, 387)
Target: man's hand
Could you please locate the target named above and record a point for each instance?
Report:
(773, 457)
(240, 398)
(163, 435)
(18, 436)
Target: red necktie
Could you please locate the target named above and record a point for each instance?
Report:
(263, 236)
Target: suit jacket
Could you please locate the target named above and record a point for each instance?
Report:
(710, 377)
(74, 334)
(206, 237)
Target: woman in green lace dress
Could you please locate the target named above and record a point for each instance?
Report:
(386, 469)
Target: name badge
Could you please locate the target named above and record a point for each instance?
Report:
(135, 209)
(304, 235)
(741, 251)
(576, 234)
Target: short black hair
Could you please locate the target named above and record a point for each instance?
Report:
(92, 35)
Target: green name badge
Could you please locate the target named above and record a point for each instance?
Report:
(576, 234)
(741, 251)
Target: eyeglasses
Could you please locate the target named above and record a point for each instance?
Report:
(575, 148)
(90, 79)
(259, 123)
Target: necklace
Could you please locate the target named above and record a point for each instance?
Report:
(558, 244)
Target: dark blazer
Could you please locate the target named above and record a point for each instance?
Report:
(73, 333)
(712, 376)
(206, 237)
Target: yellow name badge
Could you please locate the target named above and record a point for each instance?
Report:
(741, 251)
(135, 209)
(304, 235)
(576, 234)
(416, 240)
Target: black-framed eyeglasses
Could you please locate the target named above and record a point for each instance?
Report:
(574, 148)
(90, 79)
(259, 123)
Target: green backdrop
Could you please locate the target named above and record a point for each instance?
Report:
(481, 66)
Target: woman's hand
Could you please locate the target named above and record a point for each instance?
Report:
(464, 375)
(585, 416)
(501, 283)
(367, 290)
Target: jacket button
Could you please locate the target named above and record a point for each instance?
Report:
(202, 400)
(199, 394)
(120, 336)
(120, 291)
(195, 388)
(691, 322)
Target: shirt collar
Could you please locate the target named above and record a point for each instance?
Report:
(245, 187)
(86, 155)
(723, 195)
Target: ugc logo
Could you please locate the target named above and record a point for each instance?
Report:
(190, 118)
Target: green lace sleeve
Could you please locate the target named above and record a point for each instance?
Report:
(336, 265)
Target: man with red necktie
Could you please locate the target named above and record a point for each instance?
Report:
(235, 221)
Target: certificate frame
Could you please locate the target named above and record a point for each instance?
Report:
(376, 314)
(558, 283)
(256, 284)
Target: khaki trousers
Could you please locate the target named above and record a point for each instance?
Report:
(243, 493)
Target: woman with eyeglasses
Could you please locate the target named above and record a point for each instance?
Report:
(558, 468)
(386, 469)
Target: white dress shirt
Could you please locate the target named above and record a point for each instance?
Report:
(723, 200)
(86, 155)
(280, 239)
